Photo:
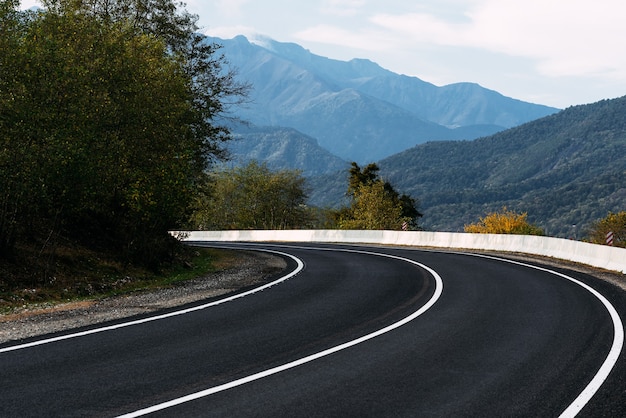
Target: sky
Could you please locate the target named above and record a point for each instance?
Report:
(554, 52)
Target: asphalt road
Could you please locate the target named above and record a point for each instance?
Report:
(363, 332)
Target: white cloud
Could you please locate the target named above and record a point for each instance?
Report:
(27, 4)
(368, 40)
(565, 37)
(228, 32)
(231, 7)
(420, 28)
(342, 7)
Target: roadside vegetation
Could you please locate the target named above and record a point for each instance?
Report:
(255, 197)
(251, 197)
(613, 223)
(375, 204)
(111, 111)
(84, 274)
(508, 221)
(504, 222)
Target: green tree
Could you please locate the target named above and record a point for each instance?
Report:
(504, 222)
(360, 177)
(376, 204)
(107, 122)
(613, 222)
(252, 197)
(13, 193)
(373, 209)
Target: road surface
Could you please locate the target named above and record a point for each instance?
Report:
(351, 331)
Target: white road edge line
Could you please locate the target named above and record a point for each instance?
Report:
(616, 348)
(618, 334)
(296, 363)
(300, 266)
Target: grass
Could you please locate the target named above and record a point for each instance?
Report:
(30, 280)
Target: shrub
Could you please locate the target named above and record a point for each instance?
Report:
(504, 222)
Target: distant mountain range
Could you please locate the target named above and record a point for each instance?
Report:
(357, 110)
(566, 170)
(283, 148)
(461, 150)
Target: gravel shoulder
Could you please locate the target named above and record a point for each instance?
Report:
(253, 268)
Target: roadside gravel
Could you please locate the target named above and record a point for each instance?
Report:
(253, 268)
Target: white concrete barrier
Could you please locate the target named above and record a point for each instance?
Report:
(602, 256)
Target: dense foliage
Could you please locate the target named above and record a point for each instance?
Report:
(504, 222)
(614, 223)
(252, 197)
(375, 204)
(109, 115)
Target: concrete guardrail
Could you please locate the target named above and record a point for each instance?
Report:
(602, 256)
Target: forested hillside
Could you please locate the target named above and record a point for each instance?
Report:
(566, 170)
(282, 148)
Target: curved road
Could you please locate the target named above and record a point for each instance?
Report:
(353, 331)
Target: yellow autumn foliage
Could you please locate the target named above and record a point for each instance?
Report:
(504, 222)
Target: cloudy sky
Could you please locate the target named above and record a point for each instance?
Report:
(554, 52)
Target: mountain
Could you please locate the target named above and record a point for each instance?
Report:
(566, 170)
(460, 149)
(282, 148)
(358, 110)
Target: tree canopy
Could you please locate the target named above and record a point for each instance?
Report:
(375, 203)
(252, 197)
(614, 223)
(504, 222)
(110, 112)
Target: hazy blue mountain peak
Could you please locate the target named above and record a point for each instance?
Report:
(357, 109)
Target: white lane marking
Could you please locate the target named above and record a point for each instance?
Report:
(616, 348)
(618, 333)
(300, 266)
(296, 363)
